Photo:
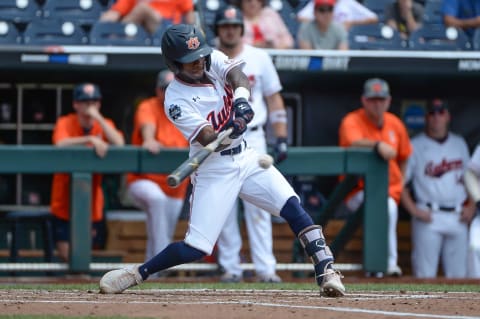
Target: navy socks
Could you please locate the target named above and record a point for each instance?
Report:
(295, 215)
(174, 254)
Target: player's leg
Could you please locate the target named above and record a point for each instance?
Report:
(215, 189)
(473, 270)
(229, 245)
(426, 248)
(162, 214)
(393, 268)
(268, 189)
(455, 246)
(259, 228)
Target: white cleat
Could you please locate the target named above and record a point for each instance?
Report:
(116, 281)
(332, 284)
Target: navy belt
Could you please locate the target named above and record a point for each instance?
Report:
(253, 128)
(443, 208)
(234, 150)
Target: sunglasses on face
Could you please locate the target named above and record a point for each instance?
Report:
(324, 9)
(439, 111)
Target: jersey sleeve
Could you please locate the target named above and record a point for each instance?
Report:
(123, 6)
(60, 132)
(450, 8)
(221, 64)
(271, 83)
(411, 164)
(474, 163)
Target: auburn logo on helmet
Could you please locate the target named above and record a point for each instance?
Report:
(193, 43)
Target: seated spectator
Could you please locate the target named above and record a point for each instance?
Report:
(405, 16)
(150, 13)
(464, 14)
(264, 27)
(322, 32)
(346, 12)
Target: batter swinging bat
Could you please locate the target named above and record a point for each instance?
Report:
(192, 163)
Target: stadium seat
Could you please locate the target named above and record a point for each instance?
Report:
(117, 33)
(437, 37)
(19, 11)
(207, 9)
(476, 40)
(158, 34)
(287, 13)
(378, 6)
(433, 14)
(54, 32)
(84, 12)
(375, 37)
(9, 33)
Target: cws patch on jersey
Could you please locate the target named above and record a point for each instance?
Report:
(174, 111)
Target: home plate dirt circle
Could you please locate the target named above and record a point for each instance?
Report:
(224, 303)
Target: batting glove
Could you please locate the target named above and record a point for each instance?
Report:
(280, 150)
(242, 108)
(239, 127)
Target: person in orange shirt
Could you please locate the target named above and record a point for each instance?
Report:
(150, 13)
(373, 127)
(88, 127)
(150, 192)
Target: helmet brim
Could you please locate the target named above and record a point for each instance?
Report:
(195, 55)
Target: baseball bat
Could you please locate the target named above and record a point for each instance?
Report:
(192, 163)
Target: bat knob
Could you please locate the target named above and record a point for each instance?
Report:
(173, 180)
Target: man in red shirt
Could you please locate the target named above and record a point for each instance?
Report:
(88, 127)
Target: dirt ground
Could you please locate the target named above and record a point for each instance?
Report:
(221, 303)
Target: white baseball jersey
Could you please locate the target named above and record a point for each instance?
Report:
(436, 170)
(263, 78)
(220, 179)
(191, 107)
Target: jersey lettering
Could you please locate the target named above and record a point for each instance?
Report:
(437, 170)
(219, 120)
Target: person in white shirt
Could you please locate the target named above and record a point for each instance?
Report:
(346, 12)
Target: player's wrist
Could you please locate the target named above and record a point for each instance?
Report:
(241, 92)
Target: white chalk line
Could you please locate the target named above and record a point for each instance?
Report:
(254, 303)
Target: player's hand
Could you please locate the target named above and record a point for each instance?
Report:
(239, 127)
(100, 146)
(424, 215)
(386, 151)
(242, 108)
(152, 146)
(280, 150)
(468, 212)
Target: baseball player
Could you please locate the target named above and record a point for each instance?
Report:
(88, 127)
(150, 192)
(209, 94)
(266, 102)
(472, 183)
(439, 215)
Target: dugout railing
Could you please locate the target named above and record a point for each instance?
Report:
(82, 162)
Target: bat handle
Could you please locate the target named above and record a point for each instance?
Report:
(173, 180)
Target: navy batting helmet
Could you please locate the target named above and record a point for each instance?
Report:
(184, 43)
(229, 15)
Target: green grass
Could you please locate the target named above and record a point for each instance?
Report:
(61, 317)
(357, 287)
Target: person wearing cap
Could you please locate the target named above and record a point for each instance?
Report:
(440, 210)
(268, 105)
(88, 127)
(322, 33)
(373, 127)
(346, 12)
(162, 204)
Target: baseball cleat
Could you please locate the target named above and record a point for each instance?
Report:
(271, 278)
(116, 281)
(332, 284)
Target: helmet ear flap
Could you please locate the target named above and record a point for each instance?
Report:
(208, 62)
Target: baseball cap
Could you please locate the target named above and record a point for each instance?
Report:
(324, 3)
(437, 104)
(376, 88)
(86, 92)
(164, 78)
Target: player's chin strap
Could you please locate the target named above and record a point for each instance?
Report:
(313, 242)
